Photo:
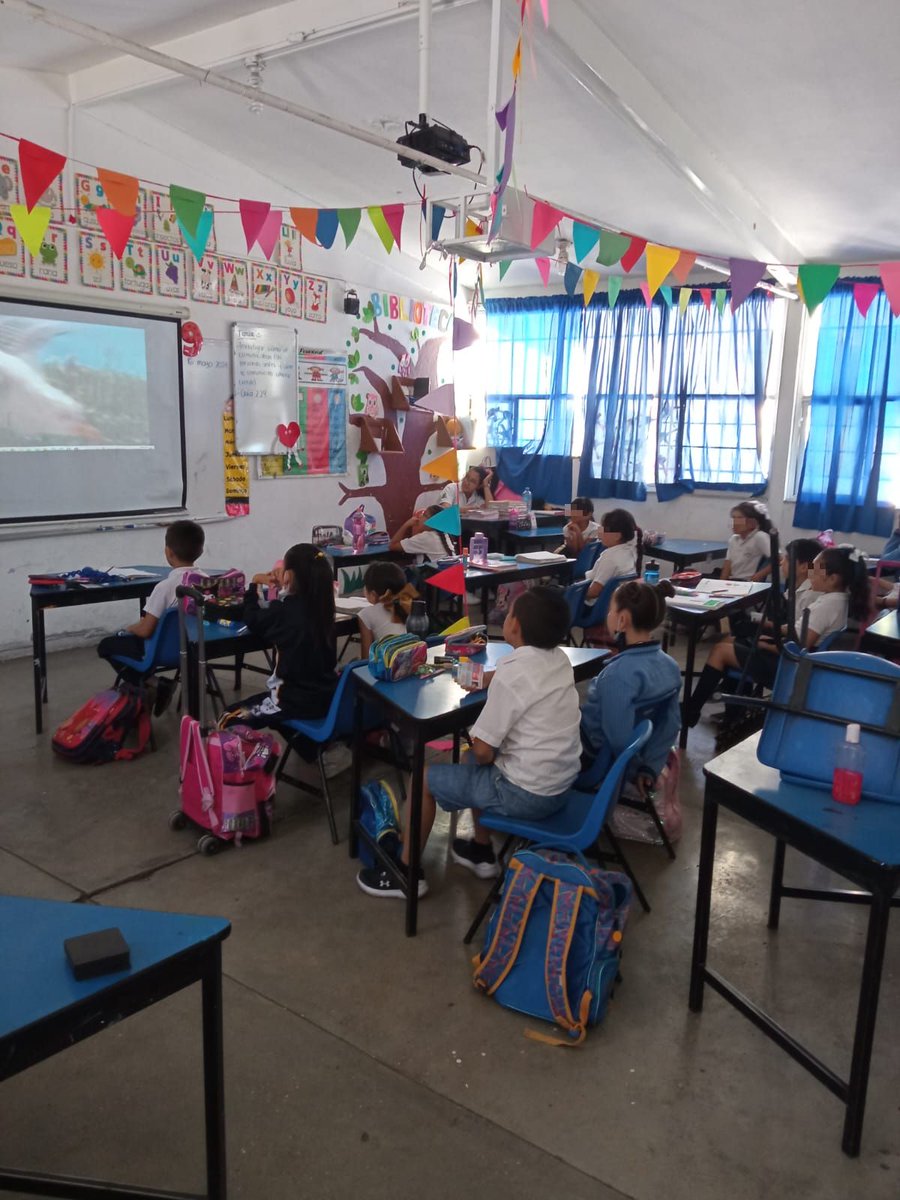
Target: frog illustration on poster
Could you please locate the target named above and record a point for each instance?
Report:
(51, 264)
(315, 299)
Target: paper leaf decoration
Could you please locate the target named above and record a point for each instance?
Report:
(585, 238)
(613, 287)
(817, 280)
(305, 221)
(633, 253)
(683, 267)
(31, 225)
(197, 241)
(745, 275)
(611, 247)
(890, 277)
(660, 261)
(706, 297)
(117, 227)
(327, 225)
(684, 298)
(543, 266)
(348, 219)
(381, 227)
(452, 579)
(589, 285)
(446, 521)
(573, 274)
(544, 220)
(863, 295)
(120, 190)
(187, 206)
(39, 167)
(445, 466)
(253, 217)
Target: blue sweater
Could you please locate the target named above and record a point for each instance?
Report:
(634, 681)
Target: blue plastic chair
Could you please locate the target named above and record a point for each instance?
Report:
(575, 827)
(585, 559)
(161, 653)
(589, 616)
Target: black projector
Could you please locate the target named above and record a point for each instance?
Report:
(434, 139)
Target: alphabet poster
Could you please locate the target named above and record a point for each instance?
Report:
(237, 471)
(171, 272)
(136, 268)
(290, 254)
(52, 262)
(205, 280)
(9, 182)
(235, 282)
(291, 294)
(264, 287)
(96, 259)
(164, 223)
(12, 251)
(315, 299)
(89, 196)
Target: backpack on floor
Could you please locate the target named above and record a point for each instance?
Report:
(97, 732)
(553, 944)
(379, 815)
(397, 656)
(636, 824)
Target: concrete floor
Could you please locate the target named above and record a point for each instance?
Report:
(360, 1063)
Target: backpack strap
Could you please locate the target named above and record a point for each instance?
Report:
(142, 725)
(194, 746)
(495, 964)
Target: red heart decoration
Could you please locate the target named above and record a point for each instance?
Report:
(288, 434)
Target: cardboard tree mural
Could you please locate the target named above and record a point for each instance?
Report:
(398, 392)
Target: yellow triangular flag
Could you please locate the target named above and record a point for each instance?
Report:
(31, 225)
(517, 60)
(446, 466)
(456, 627)
(589, 281)
(660, 261)
(684, 297)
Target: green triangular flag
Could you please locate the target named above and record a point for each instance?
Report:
(197, 241)
(666, 292)
(349, 219)
(817, 280)
(721, 297)
(504, 267)
(446, 521)
(611, 248)
(613, 287)
(187, 206)
(379, 223)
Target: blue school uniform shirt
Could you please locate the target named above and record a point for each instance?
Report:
(636, 679)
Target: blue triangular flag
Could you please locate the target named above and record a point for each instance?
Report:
(573, 274)
(446, 521)
(438, 212)
(198, 239)
(326, 227)
(585, 239)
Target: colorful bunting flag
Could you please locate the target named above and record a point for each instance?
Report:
(39, 167)
(666, 292)
(120, 190)
(573, 274)
(683, 267)
(267, 238)
(721, 297)
(504, 267)
(253, 216)
(451, 579)
(446, 521)
(589, 285)
(817, 280)
(464, 332)
(197, 241)
(890, 277)
(544, 220)
(445, 466)
(613, 287)
(187, 206)
(327, 225)
(585, 238)
(706, 297)
(660, 261)
(393, 214)
(745, 275)
(457, 627)
(863, 295)
(348, 219)
(633, 253)
(611, 247)
(543, 266)
(645, 292)
(684, 297)
(517, 59)
(117, 227)
(305, 221)
(438, 212)
(381, 227)
(31, 225)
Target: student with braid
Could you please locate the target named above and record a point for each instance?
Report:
(390, 598)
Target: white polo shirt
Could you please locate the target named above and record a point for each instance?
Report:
(453, 494)
(380, 621)
(828, 613)
(163, 595)
(427, 544)
(532, 719)
(614, 561)
(744, 553)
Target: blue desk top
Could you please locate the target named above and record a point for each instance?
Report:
(511, 570)
(686, 547)
(887, 626)
(428, 699)
(871, 828)
(36, 980)
(542, 531)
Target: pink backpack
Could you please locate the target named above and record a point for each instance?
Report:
(97, 732)
(228, 779)
(224, 589)
(638, 826)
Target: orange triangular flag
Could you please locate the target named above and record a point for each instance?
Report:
(306, 220)
(890, 277)
(120, 190)
(684, 266)
(452, 579)
(445, 466)
(517, 59)
(660, 261)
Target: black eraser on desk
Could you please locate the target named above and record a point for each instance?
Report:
(99, 953)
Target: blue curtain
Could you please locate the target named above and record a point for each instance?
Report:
(530, 341)
(712, 387)
(617, 404)
(852, 450)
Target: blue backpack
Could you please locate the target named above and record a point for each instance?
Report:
(379, 815)
(553, 944)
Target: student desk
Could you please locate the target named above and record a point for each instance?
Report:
(483, 580)
(696, 619)
(346, 556)
(43, 598)
(681, 552)
(43, 1009)
(521, 540)
(861, 843)
(882, 637)
(427, 709)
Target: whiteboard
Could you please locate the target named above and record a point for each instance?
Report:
(265, 384)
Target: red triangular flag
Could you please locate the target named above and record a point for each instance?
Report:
(684, 266)
(305, 221)
(706, 296)
(393, 214)
(40, 167)
(268, 236)
(117, 227)
(253, 217)
(890, 277)
(863, 295)
(633, 253)
(544, 220)
(121, 191)
(452, 579)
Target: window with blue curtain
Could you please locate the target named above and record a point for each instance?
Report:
(850, 475)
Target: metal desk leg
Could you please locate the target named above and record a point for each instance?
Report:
(879, 914)
(214, 1076)
(693, 631)
(356, 772)
(238, 667)
(42, 652)
(415, 835)
(36, 614)
(704, 899)
(777, 881)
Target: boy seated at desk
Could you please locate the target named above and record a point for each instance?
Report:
(184, 545)
(526, 744)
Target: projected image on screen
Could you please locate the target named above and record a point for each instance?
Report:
(68, 385)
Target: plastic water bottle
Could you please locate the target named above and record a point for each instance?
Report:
(526, 499)
(358, 525)
(417, 622)
(478, 549)
(651, 573)
(846, 785)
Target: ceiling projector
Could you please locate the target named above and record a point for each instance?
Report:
(435, 139)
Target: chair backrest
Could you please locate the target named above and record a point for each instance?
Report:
(585, 559)
(161, 648)
(339, 718)
(595, 614)
(575, 598)
(828, 640)
(608, 792)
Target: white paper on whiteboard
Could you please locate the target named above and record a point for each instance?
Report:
(265, 385)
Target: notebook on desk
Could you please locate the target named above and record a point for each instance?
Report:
(540, 557)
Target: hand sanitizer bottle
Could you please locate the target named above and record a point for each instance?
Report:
(848, 770)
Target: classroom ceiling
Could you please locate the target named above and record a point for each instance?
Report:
(758, 130)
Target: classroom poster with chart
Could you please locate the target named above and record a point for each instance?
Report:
(320, 446)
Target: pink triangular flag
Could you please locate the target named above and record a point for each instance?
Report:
(745, 275)
(270, 232)
(117, 228)
(890, 277)
(544, 220)
(543, 265)
(706, 296)
(863, 295)
(646, 293)
(393, 214)
(253, 217)
(451, 579)
(546, 12)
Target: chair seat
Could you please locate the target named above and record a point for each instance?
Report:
(560, 828)
(317, 729)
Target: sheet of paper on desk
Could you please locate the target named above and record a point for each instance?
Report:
(725, 587)
(540, 557)
(350, 604)
(131, 573)
(687, 599)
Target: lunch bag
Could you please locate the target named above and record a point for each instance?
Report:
(224, 590)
